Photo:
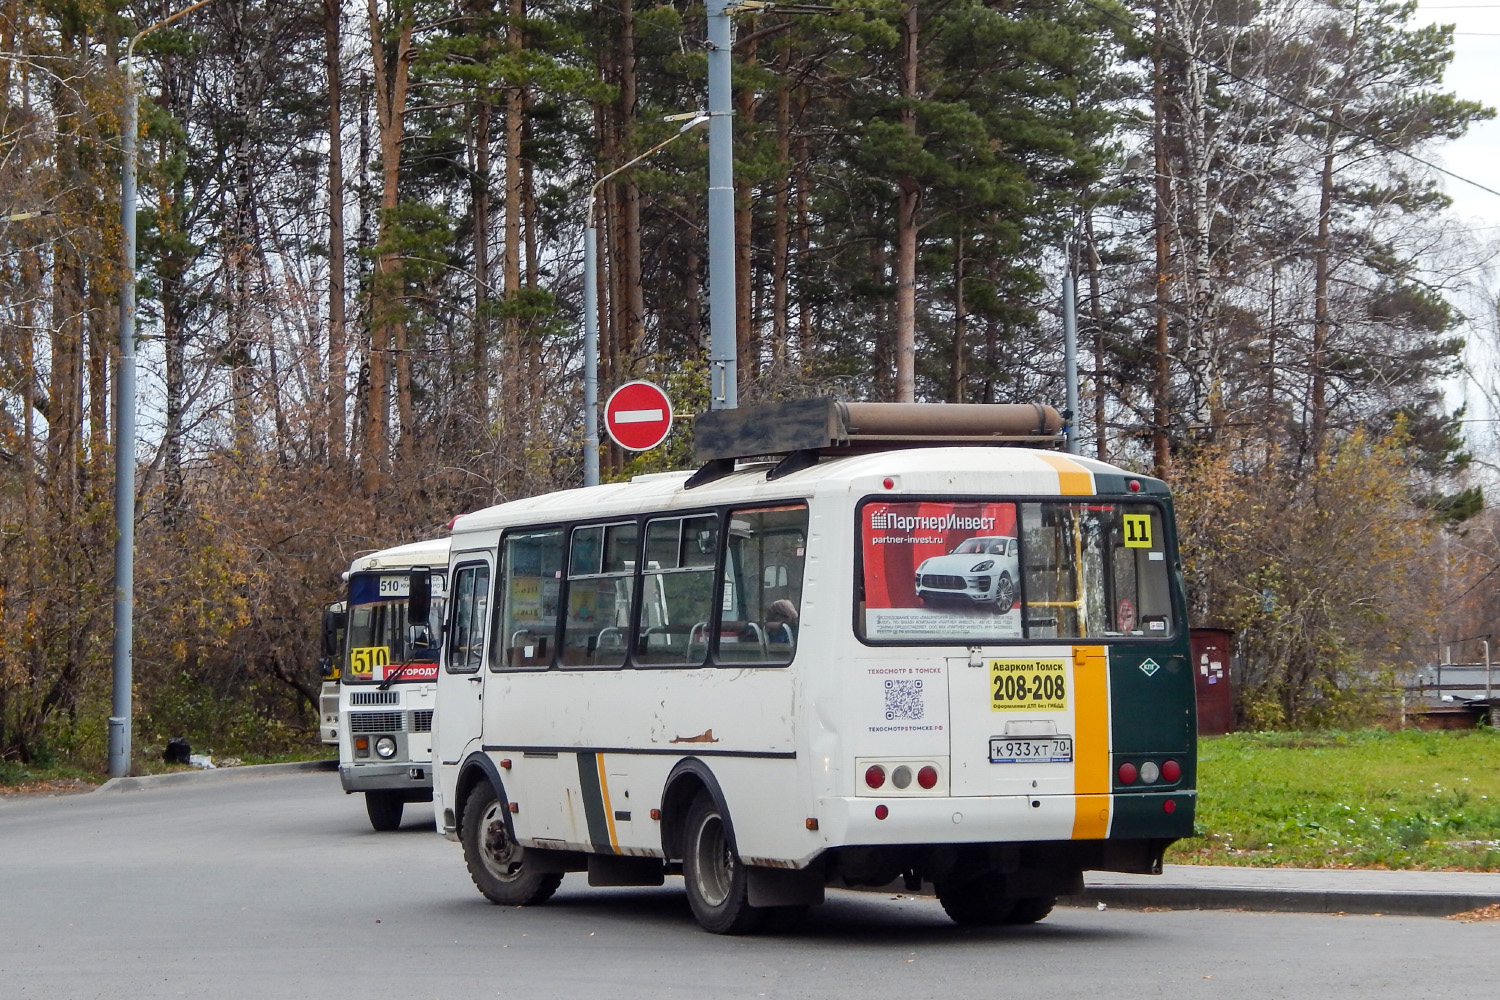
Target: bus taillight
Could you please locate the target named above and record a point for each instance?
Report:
(927, 777)
(1127, 773)
(875, 776)
(1171, 770)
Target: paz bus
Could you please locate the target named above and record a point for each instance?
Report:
(795, 668)
(387, 683)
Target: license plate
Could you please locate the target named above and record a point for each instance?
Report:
(1031, 750)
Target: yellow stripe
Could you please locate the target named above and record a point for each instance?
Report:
(1072, 478)
(609, 812)
(1091, 777)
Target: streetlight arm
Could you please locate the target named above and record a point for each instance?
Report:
(594, 191)
(130, 49)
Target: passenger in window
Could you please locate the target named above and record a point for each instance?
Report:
(781, 621)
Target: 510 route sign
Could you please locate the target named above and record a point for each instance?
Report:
(638, 416)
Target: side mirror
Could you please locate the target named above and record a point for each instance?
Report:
(335, 619)
(419, 601)
(421, 647)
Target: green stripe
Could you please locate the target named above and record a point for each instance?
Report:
(593, 801)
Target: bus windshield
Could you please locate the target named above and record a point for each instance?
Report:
(979, 571)
(377, 632)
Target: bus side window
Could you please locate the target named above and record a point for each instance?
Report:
(767, 551)
(601, 569)
(471, 600)
(677, 606)
(531, 579)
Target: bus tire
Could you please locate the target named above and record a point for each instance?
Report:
(977, 902)
(384, 809)
(716, 880)
(1030, 909)
(497, 864)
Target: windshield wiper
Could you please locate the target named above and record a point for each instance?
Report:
(391, 678)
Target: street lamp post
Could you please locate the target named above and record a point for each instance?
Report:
(119, 720)
(723, 370)
(591, 304)
(1070, 345)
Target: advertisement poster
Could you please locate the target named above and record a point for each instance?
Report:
(941, 570)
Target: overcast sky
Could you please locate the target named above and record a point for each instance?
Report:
(1473, 74)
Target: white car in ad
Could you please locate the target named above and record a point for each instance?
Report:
(981, 571)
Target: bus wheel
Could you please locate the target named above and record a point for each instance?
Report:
(384, 809)
(1030, 909)
(716, 880)
(979, 902)
(497, 864)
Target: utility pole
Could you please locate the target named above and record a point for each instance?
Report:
(119, 720)
(1070, 344)
(723, 363)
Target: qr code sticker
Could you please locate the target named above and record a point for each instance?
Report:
(903, 700)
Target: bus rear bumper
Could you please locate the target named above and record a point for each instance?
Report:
(872, 821)
(403, 776)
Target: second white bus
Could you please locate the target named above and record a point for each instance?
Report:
(387, 687)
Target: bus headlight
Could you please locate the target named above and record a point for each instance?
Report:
(385, 748)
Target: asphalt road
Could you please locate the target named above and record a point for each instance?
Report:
(270, 887)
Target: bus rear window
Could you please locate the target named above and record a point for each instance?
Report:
(981, 571)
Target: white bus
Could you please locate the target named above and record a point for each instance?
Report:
(387, 685)
(746, 675)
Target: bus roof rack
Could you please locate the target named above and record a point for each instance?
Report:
(800, 431)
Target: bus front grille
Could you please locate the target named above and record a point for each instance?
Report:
(375, 722)
(421, 720)
(374, 697)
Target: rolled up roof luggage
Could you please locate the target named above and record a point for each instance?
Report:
(830, 426)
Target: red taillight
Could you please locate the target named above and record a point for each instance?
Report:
(1127, 773)
(889, 483)
(927, 777)
(1171, 771)
(1169, 806)
(1135, 486)
(881, 812)
(875, 776)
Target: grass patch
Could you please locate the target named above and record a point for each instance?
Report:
(15, 776)
(1367, 799)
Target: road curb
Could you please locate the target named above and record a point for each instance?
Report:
(145, 781)
(1411, 904)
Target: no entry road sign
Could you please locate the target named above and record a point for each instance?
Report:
(638, 416)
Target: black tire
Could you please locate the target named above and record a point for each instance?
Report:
(1005, 594)
(497, 864)
(384, 809)
(1030, 909)
(979, 902)
(716, 880)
